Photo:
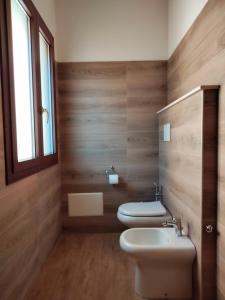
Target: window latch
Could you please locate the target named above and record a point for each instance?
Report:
(44, 110)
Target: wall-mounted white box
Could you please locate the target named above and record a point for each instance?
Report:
(166, 132)
(85, 204)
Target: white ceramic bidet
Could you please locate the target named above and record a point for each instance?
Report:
(163, 262)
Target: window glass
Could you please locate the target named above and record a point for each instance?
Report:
(22, 67)
(46, 95)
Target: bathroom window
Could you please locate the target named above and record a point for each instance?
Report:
(27, 78)
(46, 95)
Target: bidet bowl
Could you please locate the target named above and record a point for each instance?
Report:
(146, 237)
(163, 261)
(157, 242)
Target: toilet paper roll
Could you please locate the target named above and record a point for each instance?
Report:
(113, 179)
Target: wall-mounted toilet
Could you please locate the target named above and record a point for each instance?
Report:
(143, 214)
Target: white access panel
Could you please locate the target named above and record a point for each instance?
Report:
(85, 204)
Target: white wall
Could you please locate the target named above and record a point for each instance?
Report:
(181, 15)
(111, 30)
(46, 8)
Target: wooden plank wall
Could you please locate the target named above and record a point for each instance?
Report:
(200, 59)
(30, 223)
(180, 166)
(108, 117)
(188, 174)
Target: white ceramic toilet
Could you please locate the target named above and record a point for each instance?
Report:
(143, 214)
(163, 262)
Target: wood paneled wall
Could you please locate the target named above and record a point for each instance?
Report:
(200, 59)
(188, 174)
(29, 225)
(108, 117)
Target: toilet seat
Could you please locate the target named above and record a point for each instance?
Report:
(142, 209)
(143, 221)
(143, 214)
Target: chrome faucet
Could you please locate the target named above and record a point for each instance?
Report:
(176, 223)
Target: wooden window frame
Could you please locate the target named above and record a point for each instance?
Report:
(17, 170)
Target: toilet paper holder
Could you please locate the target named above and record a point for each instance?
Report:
(110, 171)
(111, 176)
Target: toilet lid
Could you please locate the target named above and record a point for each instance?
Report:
(143, 209)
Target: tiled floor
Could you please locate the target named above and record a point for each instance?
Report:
(86, 267)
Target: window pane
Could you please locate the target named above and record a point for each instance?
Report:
(22, 66)
(46, 94)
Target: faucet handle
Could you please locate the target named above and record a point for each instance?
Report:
(176, 220)
(176, 223)
(170, 222)
(165, 224)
